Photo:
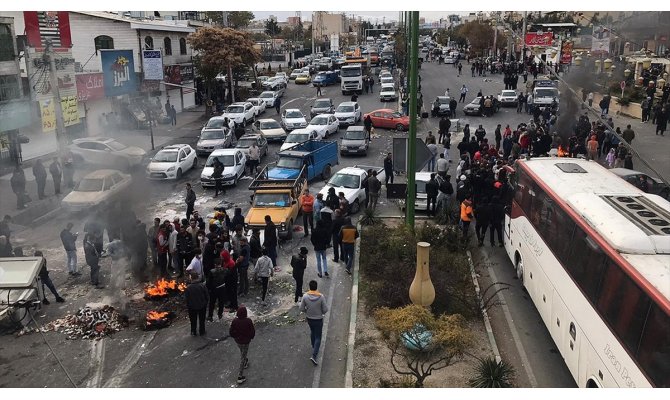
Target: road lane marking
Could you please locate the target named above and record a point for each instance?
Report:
(131, 359)
(329, 302)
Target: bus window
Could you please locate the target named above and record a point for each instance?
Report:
(585, 264)
(623, 305)
(654, 352)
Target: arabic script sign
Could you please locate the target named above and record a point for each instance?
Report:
(90, 87)
(118, 67)
(543, 39)
(48, 112)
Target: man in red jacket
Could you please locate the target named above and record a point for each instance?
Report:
(242, 330)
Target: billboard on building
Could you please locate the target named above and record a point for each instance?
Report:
(173, 74)
(42, 26)
(600, 40)
(118, 69)
(40, 77)
(90, 87)
(539, 38)
(566, 53)
(152, 65)
(48, 113)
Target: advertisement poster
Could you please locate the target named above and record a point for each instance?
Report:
(90, 87)
(43, 26)
(40, 77)
(118, 68)
(48, 112)
(173, 74)
(152, 64)
(539, 38)
(600, 41)
(566, 53)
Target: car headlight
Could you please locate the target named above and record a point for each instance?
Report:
(228, 176)
(170, 169)
(203, 176)
(361, 147)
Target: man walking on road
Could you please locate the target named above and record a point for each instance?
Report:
(278, 104)
(388, 169)
(243, 331)
(69, 244)
(348, 236)
(299, 264)
(270, 242)
(56, 173)
(313, 304)
(464, 91)
(374, 186)
(190, 200)
(318, 89)
(320, 240)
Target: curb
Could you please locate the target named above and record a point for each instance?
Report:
(487, 321)
(348, 377)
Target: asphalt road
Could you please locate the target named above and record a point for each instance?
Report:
(279, 354)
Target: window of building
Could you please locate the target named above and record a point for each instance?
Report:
(148, 43)
(167, 45)
(6, 43)
(182, 46)
(103, 42)
(9, 87)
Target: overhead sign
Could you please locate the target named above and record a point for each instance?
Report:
(40, 78)
(48, 113)
(400, 156)
(90, 87)
(118, 68)
(152, 64)
(566, 53)
(539, 38)
(42, 26)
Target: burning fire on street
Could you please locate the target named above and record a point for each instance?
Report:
(158, 319)
(163, 288)
(562, 152)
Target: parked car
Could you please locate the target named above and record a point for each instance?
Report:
(241, 113)
(387, 92)
(508, 98)
(295, 73)
(271, 129)
(274, 83)
(421, 201)
(293, 118)
(386, 80)
(244, 142)
(171, 162)
(348, 113)
(474, 108)
(215, 135)
(303, 78)
(298, 136)
(97, 190)
(323, 105)
(656, 186)
(259, 105)
(234, 162)
(269, 97)
(444, 106)
(349, 180)
(324, 125)
(106, 152)
(355, 141)
(390, 119)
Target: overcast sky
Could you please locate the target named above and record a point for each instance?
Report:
(366, 15)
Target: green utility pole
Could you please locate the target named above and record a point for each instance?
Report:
(411, 141)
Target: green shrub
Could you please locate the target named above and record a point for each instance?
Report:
(492, 374)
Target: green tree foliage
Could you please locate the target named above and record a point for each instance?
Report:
(271, 27)
(450, 338)
(479, 36)
(239, 19)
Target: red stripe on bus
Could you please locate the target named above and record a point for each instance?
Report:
(651, 291)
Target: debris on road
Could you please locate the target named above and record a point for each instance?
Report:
(89, 323)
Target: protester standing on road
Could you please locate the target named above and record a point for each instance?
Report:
(662, 121)
(307, 206)
(628, 134)
(152, 240)
(320, 240)
(217, 294)
(388, 169)
(338, 222)
(318, 89)
(92, 256)
(299, 264)
(68, 170)
(56, 174)
(69, 244)
(466, 217)
(431, 195)
(374, 187)
(313, 304)
(264, 270)
(270, 242)
(197, 299)
(18, 183)
(243, 331)
(46, 281)
(367, 124)
(242, 264)
(464, 91)
(217, 174)
(348, 236)
(190, 200)
(173, 115)
(40, 174)
(278, 104)
(254, 158)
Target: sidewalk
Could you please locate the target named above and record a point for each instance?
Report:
(36, 209)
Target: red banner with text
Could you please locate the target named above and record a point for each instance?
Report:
(90, 87)
(543, 39)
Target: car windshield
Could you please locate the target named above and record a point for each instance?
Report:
(387, 89)
(212, 135)
(546, 93)
(443, 100)
(319, 121)
(322, 104)
(509, 93)
(253, 101)
(270, 125)
(345, 180)
(89, 185)
(235, 110)
(214, 124)
(227, 160)
(245, 142)
(350, 72)
(267, 95)
(294, 114)
(165, 156)
(420, 186)
(271, 200)
(345, 109)
(297, 138)
(289, 162)
(303, 76)
(354, 135)
(116, 146)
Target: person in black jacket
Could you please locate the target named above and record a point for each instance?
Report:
(338, 222)
(299, 264)
(40, 174)
(56, 173)
(388, 169)
(190, 200)
(320, 240)
(445, 125)
(482, 219)
(497, 218)
(92, 256)
(197, 298)
(270, 242)
(332, 200)
(46, 281)
(18, 183)
(69, 244)
(184, 249)
(431, 193)
(238, 218)
(216, 280)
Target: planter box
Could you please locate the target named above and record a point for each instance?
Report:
(633, 110)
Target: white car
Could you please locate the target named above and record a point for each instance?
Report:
(348, 113)
(106, 151)
(274, 83)
(241, 113)
(324, 125)
(281, 75)
(386, 80)
(350, 180)
(269, 98)
(271, 129)
(292, 118)
(508, 98)
(298, 136)
(234, 164)
(421, 201)
(216, 134)
(295, 73)
(97, 189)
(259, 105)
(387, 92)
(172, 161)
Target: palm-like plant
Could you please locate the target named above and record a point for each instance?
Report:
(369, 217)
(493, 374)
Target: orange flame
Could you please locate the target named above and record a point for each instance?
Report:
(156, 315)
(162, 286)
(562, 152)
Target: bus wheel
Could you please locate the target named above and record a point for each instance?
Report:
(519, 268)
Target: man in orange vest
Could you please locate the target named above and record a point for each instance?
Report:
(307, 205)
(466, 217)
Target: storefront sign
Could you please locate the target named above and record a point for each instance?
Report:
(48, 112)
(118, 68)
(542, 39)
(90, 87)
(152, 64)
(172, 74)
(187, 74)
(566, 53)
(40, 78)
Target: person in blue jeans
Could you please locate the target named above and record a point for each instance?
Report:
(348, 236)
(320, 239)
(69, 244)
(313, 304)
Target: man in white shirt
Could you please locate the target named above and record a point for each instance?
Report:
(254, 158)
(195, 267)
(442, 165)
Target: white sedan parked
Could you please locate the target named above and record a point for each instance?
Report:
(293, 118)
(324, 125)
(106, 151)
(259, 105)
(241, 113)
(172, 161)
(97, 189)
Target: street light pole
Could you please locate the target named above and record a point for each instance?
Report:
(411, 141)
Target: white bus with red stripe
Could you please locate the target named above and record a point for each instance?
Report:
(593, 252)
